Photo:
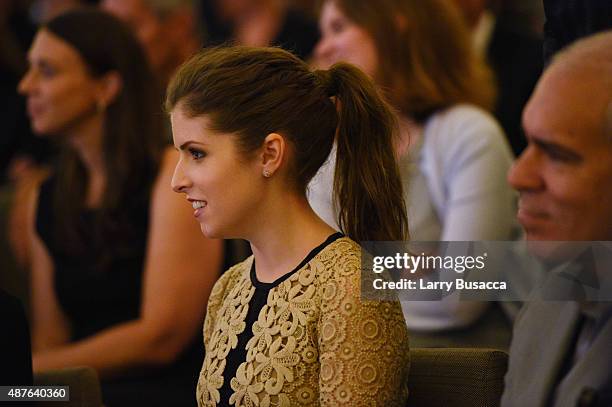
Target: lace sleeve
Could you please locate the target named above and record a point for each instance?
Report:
(363, 345)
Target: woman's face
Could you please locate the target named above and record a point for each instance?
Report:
(344, 41)
(61, 94)
(224, 186)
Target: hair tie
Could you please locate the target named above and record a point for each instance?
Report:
(326, 79)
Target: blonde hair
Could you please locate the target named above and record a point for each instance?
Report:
(426, 56)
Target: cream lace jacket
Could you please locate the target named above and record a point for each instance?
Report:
(315, 342)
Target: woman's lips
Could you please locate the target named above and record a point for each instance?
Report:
(198, 207)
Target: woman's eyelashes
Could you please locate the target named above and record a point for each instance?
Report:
(337, 26)
(45, 69)
(196, 154)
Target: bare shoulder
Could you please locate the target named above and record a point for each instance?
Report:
(163, 198)
(22, 217)
(28, 187)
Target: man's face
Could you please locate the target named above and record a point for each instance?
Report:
(564, 176)
(147, 26)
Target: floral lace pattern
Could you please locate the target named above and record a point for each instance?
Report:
(314, 342)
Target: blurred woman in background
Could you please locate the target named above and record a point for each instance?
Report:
(120, 274)
(452, 154)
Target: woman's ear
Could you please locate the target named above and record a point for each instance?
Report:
(110, 87)
(273, 153)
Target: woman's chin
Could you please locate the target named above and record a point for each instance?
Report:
(39, 128)
(210, 232)
(42, 129)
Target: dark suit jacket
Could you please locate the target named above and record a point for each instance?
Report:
(543, 340)
(516, 60)
(15, 350)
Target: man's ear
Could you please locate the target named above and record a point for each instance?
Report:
(273, 151)
(110, 85)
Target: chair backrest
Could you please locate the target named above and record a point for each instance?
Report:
(448, 377)
(83, 383)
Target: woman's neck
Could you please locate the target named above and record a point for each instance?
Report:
(410, 133)
(286, 233)
(86, 139)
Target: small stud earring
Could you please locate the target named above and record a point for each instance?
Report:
(267, 173)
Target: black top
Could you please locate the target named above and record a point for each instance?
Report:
(15, 351)
(238, 355)
(99, 286)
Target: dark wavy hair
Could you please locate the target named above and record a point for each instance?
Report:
(133, 139)
(252, 92)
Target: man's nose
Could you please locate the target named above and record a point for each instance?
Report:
(525, 174)
(25, 85)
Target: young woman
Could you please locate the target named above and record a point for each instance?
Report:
(453, 155)
(120, 275)
(287, 326)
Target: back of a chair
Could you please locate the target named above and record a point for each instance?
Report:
(83, 384)
(448, 377)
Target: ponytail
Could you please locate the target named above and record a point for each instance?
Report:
(367, 184)
(251, 92)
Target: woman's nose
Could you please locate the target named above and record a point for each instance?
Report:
(25, 85)
(180, 182)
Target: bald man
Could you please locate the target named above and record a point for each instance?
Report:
(561, 352)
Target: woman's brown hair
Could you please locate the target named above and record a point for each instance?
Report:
(133, 140)
(426, 58)
(252, 92)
